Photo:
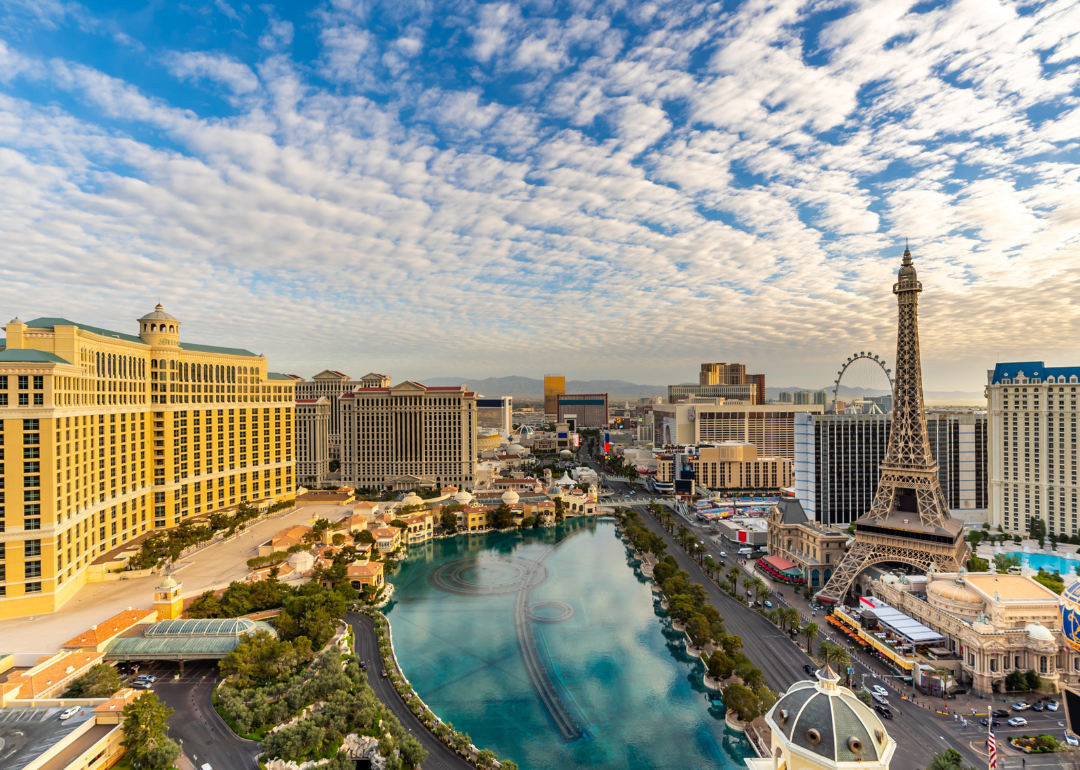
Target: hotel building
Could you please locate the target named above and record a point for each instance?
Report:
(837, 457)
(408, 436)
(331, 383)
(590, 409)
(141, 431)
(769, 427)
(1033, 446)
(554, 386)
(312, 441)
(731, 466)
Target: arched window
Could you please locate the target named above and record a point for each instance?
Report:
(144, 327)
(170, 328)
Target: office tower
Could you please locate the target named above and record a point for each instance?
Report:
(1033, 446)
(312, 441)
(332, 384)
(590, 409)
(408, 436)
(909, 520)
(121, 419)
(554, 386)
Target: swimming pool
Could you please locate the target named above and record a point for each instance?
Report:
(1050, 562)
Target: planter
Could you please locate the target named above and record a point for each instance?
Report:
(734, 722)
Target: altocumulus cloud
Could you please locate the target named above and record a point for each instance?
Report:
(603, 189)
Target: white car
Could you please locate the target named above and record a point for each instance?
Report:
(1017, 722)
(723, 555)
(146, 678)
(879, 689)
(68, 713)
(1071, 739)
(1052, 705)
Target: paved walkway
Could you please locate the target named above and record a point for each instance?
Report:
(211, 568)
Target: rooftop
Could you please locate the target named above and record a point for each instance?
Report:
(1013, 588)
(106, 630)
(52, 323)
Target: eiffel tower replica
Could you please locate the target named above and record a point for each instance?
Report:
(909, 521)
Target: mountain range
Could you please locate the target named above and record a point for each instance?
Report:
(528, 387)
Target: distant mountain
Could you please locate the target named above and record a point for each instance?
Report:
(527, 387)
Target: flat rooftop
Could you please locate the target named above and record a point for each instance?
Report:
(27, 733)
(1012, 588)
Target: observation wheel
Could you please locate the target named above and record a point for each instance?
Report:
(866, 374)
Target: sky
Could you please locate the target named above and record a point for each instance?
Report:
(603, 190)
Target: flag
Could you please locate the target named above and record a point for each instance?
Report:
(992, 745)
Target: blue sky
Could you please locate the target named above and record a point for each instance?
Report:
(602, 189)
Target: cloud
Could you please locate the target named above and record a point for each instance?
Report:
(486, 188)
(218, 68)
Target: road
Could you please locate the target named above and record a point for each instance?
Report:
(366, 646)
(195, 724)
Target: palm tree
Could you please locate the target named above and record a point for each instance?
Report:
(733, 577)
(792, 615)
(758, 586)
(809, 631)
(841, 658)
(825, 652)
(710, 566)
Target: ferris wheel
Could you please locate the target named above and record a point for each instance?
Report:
(863, 372)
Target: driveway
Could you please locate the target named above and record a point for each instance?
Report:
(367, 649)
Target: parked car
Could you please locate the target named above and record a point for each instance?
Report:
(1017, 722)
(1039, 706)
(1001, 713)
(1072, 739)
(884, 712)
(142, 685)
(68, 713)
(879, 689)
(146, 678)
(1051, 705)
(1021, 706)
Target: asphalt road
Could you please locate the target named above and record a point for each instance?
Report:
(205, 736)
(366, 645)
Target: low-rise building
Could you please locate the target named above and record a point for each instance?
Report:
(992, 624)
(285, 539)
(731, 466)
(362, 574)
(421, 527)
(387, 539)
(815, 549)
(97, 638)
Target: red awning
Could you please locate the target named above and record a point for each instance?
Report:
(779, 564)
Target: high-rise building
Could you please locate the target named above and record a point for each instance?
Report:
(495, 412)
(408, 436)
(785, 397)
(121, 419)
(769, 427)
(733, 466)
(1033, 446)
(803, 397)
(332, 384)
(713, 377)
(821, 397)
(554, 386)
(312, 442)
(590, 409)
(837, 459)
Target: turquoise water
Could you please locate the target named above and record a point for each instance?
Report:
(625, 693)
(1050, 562)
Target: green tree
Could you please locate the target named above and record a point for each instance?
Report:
(1032, 680)
(720, 665)
(261, 659)
(865, 697)
(101, 681)
(448, 521)
(975, 564)
(1037, 529)
(742, 701)
(146, 721)
(363, 536)
(502, 517)
(808, 633)
(413, 754)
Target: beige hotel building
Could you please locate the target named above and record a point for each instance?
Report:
(408, 436)
(106, 436)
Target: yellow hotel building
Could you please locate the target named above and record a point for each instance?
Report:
(105, 436)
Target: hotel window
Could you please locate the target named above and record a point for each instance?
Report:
(33, 588)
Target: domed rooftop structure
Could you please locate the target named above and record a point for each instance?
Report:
(158, 314)
(955, 591)
(168, 582)
(565, 453)
(510, 497)
(412, 499)
(463, 497)
(821, 725)
(515, 449)
(1039, 632)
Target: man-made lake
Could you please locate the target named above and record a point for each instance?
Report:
(547, 648)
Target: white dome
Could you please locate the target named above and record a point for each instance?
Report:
(168, 583)
(516, 449)
(158, 314)
(301, 561)
(463, 497)
(412, 499)
(510, 497)
(1039, 632)
(565, 453)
